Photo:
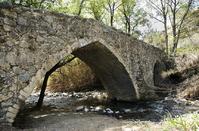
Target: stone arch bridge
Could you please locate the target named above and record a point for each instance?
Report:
(32, 41)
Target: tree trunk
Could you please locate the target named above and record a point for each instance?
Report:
(129, 25)
(166, 35)
(111, 21)
(44, 85)
(80, 7)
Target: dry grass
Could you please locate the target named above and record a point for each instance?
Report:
(184, 78)
(74, 76)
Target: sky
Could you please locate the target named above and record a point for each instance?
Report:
(155, 25)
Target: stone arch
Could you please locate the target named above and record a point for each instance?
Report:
(107, 67)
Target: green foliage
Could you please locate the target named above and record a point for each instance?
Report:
(33, 3)
(128, 6)
(97, 8)
(155, 38)
(132, 17)
(75, 6)
(122, 13)
(188, 122)
(191, 24)
(188, 49)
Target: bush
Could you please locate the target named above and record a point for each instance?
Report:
(74, 76)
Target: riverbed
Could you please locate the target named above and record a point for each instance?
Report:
(92, 111)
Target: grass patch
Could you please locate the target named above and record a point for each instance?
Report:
(187, 122)
(188, 49)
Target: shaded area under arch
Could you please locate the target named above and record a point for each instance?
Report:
(109, 70)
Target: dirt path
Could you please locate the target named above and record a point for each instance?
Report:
(73, 122)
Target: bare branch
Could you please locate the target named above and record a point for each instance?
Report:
(156, 18)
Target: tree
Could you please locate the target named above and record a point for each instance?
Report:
(174, 10)
(176, 22)
(132, 16)
(76, 6)
(61, 63)
(33, 3)
(162, 11)
(127, 11)
(112, 6)
(97, 8)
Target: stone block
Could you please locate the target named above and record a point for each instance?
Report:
(17, 70)
(21, 97)
(24, 94)
(7, 28)
(49, 19)
(9, 13)
(9, 22)
(11, 58)
(10, 115)
(3, 97)
(28, 90)
(10, 120)
(16, 106)
(24, 77)
(21, 21)
(13, 110)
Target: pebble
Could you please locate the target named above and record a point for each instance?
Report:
(86, 109)
(127, 110)
(80, 108)
(120, 116)
(117, 112)
(98, 108)
(65, 94)
(109, 111)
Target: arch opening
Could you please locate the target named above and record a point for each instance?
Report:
(109, 70)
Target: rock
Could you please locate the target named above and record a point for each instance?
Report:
(98, 108)
(7, 27)
(10, 120)
(92, 110)
(10, 115)
(17, 70)
(24, 77)
(65, 94)
(40, 39)
(9, 22)
(49, 19)
(21, 21)
(24, 94)
(117, 112)
(3, 97)
(80, 108)
(127, 110)
(11, 58)
(86, 109)
(120, 116)
(109, 111)
(12, 110)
